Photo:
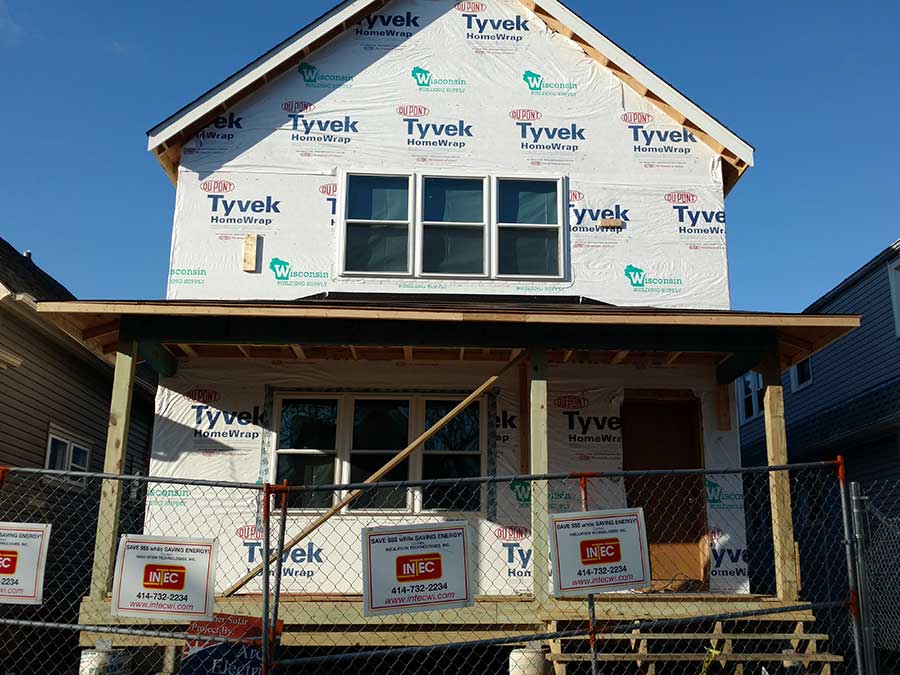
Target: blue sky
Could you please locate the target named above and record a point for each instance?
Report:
(811, 85)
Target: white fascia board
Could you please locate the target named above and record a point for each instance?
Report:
(646, 77)
(252, 72)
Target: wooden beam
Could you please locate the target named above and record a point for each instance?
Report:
(671, 358)
(620, 356)
(524, 420)
(797, 343)
(381, 473)
(159, 358)
(243, 351)
(100, 330)
(298, 351)
(735, 365)
(353, 353)
(540, 463)
(786, 579)
(407, 353)
(106, 540)
(251, 246)
(188, 350)
(568, 356)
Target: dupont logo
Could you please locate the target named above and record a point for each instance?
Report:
(411, 110)
(470, 7)
(249, 532)
(637, 118)
(681, 198)
(420, 567)
(570, 402)
(329, 189)
(9, 561)
(217, 186)
(601, 551)
(525, 115)
(164, 577)
(297, 106)
(201, 395)
(511, 533)
(575, 195)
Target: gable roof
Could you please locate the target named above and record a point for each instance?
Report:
(20, 274)
(166, 138)
(888, 254)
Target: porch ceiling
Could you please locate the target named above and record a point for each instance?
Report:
(447, 329)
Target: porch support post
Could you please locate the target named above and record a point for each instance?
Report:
(540, 505)
(111, 490)
(786, 564)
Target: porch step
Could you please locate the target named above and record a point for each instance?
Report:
(802, 637)
(730, 656)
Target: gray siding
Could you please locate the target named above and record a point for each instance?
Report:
(54, 386)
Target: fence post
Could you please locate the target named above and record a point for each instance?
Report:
(858, 504)
(111, 490)
(279, 563)
(852, 580)
(265, 665)
(540, 505)
(592, 614)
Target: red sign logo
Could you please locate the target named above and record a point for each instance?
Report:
(217, 185)
(164, 577)
(418, 567)
(203, 395)
(470, 6)
(525, 114)
(575, 195)
(412, 110)
(329, 189)
(637, 118)
(601, 551)
(681, 197)
(297, 106)
(9, 560)
(511, 533)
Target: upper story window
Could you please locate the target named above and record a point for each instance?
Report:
(67, 452)
(801, 375)
(894, 277)
(751, 391)
(453, 226)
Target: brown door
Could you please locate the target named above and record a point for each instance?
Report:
(667, 434)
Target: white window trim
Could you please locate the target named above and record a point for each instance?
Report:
(894, 279)
(71, 440)
(415, 251)
(757, 409)
(796, 385)
(344, 441)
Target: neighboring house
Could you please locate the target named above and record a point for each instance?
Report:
(844, 399)
(54, 393)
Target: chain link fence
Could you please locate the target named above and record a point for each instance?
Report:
(748, 574)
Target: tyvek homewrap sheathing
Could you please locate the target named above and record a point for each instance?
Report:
(471, 89)
(214, 422)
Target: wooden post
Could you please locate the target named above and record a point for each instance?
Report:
(111, 490)
(786, 581)
(540, 505)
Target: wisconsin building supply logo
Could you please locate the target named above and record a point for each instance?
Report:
(494, 30)
(521, 491)
(427, 82)
(547, 138)
(388, 25)
(316, 79)
(695, 221)
(224, 211)
(584, 219)
(335, 130)
(670, 141)
(286, 275)
(187, 276)
(453, 135)
(641, 282)
(721, 499)
(538, 86)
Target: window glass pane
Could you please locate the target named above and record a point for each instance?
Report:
(59, 451)
(527, 201)
(377, 198)
(453, 200)
(453, 250)
(307, 469)
(363, 465)
(747, 383)
(465, 497)
(461, 435)
(748, 407)
(804, 372)
(79, 458)
(533, 252)
(380, 425)
(308, 424)
(376, 248)
(760, 395)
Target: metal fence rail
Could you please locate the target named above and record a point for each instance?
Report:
(725, 594)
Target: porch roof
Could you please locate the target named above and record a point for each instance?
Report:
(477, 328)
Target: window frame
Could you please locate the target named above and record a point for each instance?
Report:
(757, 408)
(344, 442)
(893, 269)
(796, 385)
(72, 441)
(491, 225)
(411, 244)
